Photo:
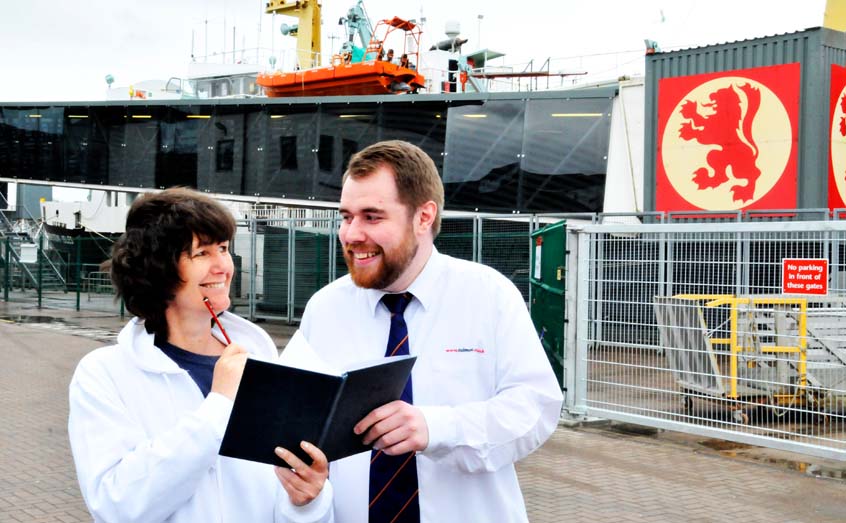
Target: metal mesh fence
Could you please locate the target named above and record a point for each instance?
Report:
(693, 328)
(290, 259)
(280, 262)
(65, 273)
(504, 245)
(457, 238)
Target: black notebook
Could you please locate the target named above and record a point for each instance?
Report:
(279, 406)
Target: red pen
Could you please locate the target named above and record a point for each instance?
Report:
(217, 320)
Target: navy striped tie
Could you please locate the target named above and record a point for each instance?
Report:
(393, 479)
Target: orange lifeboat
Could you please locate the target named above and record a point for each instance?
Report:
(373, 77)
(343, 78)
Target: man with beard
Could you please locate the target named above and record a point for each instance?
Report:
(482, 394)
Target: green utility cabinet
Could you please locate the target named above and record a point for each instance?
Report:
(547, 278)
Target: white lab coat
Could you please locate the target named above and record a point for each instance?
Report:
(145, 442)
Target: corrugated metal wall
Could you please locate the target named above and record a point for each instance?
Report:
(815, 49)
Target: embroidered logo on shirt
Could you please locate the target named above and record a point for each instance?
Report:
(466, 349)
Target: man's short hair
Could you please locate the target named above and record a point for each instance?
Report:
(414, 171)
(145, 259)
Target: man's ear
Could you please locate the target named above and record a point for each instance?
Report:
(425, 216)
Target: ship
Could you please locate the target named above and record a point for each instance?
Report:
(502, 143)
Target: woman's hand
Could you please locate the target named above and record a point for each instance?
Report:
(301, 482)
(228, 370)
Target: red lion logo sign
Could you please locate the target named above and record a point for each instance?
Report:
(726, 141)
(731, 129)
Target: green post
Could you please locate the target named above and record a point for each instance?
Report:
(8, 272)
(40, 263)
(318, 263)
(78, 242)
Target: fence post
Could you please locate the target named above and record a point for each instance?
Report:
(292, 245)
(741, 275)
(662, 264)
(333, 246)
(40, 259)
(670, 261)
(531, 248)
(8, 272)
(253, 267)
(597, 256)
(477, 238)
(571, 321)
(577, 402)
(78, 270)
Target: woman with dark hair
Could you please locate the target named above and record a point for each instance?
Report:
(147, 415)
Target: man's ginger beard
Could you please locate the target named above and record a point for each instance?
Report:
(391, 264)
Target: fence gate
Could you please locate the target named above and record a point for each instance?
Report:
(728, 330)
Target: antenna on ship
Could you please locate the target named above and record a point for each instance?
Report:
(479, 31)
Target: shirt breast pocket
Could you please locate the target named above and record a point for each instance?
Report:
(463, 373)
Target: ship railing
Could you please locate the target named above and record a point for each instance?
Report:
(600, 67)
(278, 216)
(242, 56)
(554, 73)
(289, 60)
(98, 282)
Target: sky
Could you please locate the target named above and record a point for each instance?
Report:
(58, 50)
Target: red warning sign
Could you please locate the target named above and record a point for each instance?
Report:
(804, 276)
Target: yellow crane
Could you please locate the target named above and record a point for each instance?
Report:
(307, 29)
(835, 15)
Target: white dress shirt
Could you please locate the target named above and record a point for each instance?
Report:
(481, 379)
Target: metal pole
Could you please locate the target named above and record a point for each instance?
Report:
(572, 317)
(598, 287)
(40, 258)
(8, 272)
(478, 230)
(741, 275)
(578, 404)
(253, 268)
(78, 270)
(333, 246)
(291, 270)
(531, 247)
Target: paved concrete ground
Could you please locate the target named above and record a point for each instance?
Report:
(594, 473)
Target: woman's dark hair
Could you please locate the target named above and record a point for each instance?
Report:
(145, 259)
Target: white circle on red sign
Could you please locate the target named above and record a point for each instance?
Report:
(838, 145)
(726, 143)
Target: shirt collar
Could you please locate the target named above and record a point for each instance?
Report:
(423, 287)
